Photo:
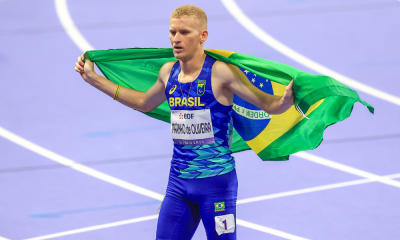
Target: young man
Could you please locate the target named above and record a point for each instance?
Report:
(202, 182)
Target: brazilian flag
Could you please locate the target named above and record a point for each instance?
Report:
(320, 101)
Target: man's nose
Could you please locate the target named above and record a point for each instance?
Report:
(177, 38)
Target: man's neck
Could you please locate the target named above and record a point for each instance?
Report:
(191, 66)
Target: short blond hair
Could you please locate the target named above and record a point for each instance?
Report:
(191, 10)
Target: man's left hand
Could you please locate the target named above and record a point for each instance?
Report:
(288, 97)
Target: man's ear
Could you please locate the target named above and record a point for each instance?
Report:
(204, 36)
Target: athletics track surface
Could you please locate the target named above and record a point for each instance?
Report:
(45, 102)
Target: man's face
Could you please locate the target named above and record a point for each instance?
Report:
(185, 36)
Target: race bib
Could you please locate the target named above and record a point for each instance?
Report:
(192, 127)
(225, 224)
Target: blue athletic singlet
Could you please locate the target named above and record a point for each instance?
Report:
(200, 160)
(202, 182)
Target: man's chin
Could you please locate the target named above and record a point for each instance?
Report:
(179, 55)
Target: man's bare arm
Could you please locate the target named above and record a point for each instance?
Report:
(142, 101)
(230, 78)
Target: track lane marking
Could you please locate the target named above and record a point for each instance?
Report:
(77, 166)
(268, 230)
(259, 33)
(97, 227)
(142, 219)
(69, 26)
(348, 169)
(311, 189)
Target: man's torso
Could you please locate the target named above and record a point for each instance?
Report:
(201, 126)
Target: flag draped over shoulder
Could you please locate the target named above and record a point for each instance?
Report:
(320, 101)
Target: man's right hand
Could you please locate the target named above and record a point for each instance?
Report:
(142, 101)
(86, 69)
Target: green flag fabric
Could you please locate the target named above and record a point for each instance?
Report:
(320, 101)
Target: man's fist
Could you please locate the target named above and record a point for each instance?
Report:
(79, 65)
(288, 97)
(86, 69)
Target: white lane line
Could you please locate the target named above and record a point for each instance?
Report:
(94, 173)
(258, 32)
(135, 220)
(69, 26)
(87, 229)
(3, 238)
(348, 169)
(77, 166)
(309, 190)
(268, 230)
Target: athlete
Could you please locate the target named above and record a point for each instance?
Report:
(202, 181)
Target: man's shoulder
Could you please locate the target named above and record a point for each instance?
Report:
(166, 70)
(221, 66)
(222, 71)
(167, 66)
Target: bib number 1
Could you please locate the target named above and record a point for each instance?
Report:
(225, 224)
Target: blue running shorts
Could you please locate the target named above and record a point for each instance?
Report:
(213, 200)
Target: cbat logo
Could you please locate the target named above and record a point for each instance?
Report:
(201, 87)
(186, 116)
(219, 206)
(172, 89)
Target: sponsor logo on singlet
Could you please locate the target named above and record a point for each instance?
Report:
(172, 89)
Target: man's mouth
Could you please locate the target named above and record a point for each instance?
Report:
(178, 47)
